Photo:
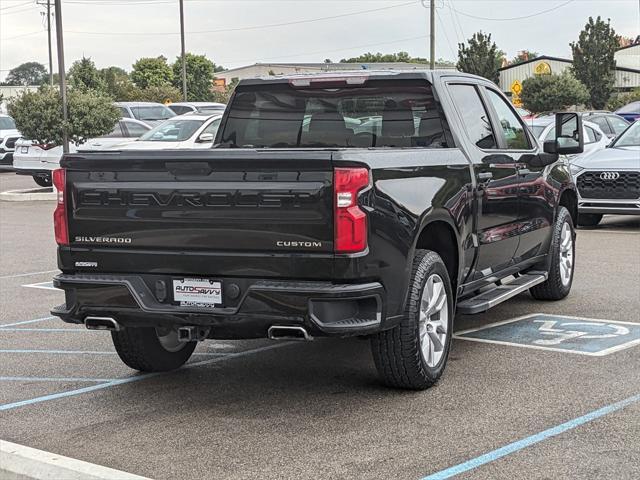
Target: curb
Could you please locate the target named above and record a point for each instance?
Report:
(28, 195)
(20, 462)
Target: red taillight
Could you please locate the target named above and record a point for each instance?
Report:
(60, 213)
(350, 230)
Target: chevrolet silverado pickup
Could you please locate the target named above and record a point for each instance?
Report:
(371, 204)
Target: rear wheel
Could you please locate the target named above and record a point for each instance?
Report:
(42, 180)
(562, 265)
(151, 349)
(589, 219)
(413, 354)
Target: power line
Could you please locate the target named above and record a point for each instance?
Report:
(254, 27)
(444, 30)
(16, 6)
(514, 18)
(23, 35)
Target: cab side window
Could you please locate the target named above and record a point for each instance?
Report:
(515, 134)
(474, 116)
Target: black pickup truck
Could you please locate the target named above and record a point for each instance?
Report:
(367, 203)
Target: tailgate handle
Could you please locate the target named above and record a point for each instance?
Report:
(189, 168)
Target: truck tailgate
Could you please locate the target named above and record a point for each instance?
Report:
(215, 202)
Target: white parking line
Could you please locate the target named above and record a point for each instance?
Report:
(24, 322)
(87, 352)
(17, 275)
(93, 388)
(26, 462)
(55, 379)
(43, 286)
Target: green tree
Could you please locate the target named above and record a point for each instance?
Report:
(523, 56)
(38, 115)
(594, 61)
(548, 93)
(621, 99)
(29, 73)
(200, 72)
(480, 57)
(159, 93)
(84, 75)
(384, 57)
(151, 72)
(118, 84)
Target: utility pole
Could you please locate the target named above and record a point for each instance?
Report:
(48, 14)
(184, 64)
(61, 74)
(432, 35)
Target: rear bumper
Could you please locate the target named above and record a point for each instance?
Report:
(249, 308)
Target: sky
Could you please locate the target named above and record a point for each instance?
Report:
(233, 33)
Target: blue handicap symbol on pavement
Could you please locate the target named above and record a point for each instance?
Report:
(559, 333)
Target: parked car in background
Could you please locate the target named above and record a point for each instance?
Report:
(608, 180)
(544, 129)
(38, 160)
(611, 124)
(630, 112)
(184, 131)
(150, 113)
(180, 108)
(8, 137)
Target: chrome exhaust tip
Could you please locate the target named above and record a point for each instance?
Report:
(102, 323)
(283, 332)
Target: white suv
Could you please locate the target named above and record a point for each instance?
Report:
(8, 137)
(39, 160)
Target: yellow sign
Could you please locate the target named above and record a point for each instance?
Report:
(516, 88)
(167, 101)
(542, 68)
(516, 101)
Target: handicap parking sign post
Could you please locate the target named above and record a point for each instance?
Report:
(559, 333)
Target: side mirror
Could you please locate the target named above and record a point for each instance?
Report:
(205, 138)
(569, 133)
(550, 146)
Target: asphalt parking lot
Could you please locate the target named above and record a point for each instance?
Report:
(259, 409)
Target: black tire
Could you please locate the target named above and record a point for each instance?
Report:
(397, 353)
(43, 180)
(140, 349)
(589, 219)
(555, 288)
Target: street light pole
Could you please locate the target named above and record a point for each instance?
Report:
(432, 35)
(184, 64)
(61, 74)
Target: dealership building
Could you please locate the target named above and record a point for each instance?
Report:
(627, 71)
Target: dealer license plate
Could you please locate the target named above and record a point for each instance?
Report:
(197, 292)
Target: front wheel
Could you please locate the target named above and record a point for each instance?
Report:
(413, 354)
(43, 180)
(562, 264)
(149, 349)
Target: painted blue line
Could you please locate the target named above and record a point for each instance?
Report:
(54, 379)
(27, 321)
(528, 441)
(113, 383)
